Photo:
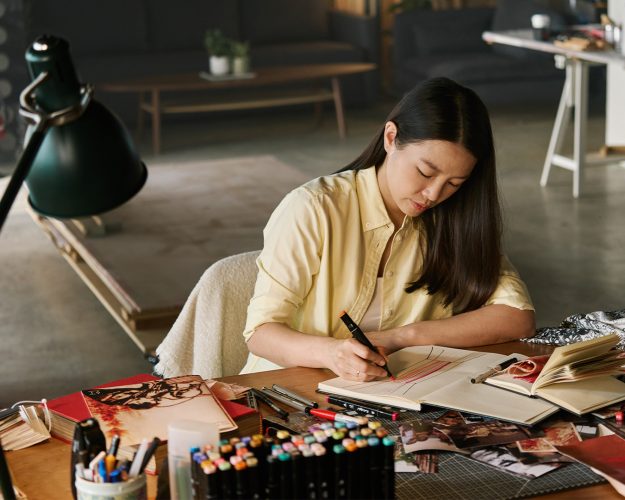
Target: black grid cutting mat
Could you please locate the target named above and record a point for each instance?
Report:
(461, 477)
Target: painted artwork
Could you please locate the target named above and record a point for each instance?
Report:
(146, 409)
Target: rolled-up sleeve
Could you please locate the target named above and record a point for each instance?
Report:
(288, 262)
(511, 290)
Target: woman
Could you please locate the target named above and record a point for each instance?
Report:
(406, 239)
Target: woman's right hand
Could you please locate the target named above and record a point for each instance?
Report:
(351, 360)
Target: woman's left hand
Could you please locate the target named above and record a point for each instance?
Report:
(388, 341)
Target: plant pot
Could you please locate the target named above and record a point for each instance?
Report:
(219, 65)
(240, 65)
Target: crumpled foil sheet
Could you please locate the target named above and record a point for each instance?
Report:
(578, 327)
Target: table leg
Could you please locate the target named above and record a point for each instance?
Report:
(338, 107)
(156, 121)
(563, 116)
(581, 119)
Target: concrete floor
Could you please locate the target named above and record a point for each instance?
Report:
(55, 337)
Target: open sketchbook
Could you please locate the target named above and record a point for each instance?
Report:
(440, 376)
(577, 377)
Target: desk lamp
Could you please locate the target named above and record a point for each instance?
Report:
(78, 159)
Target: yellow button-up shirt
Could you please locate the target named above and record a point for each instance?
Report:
(323, 247)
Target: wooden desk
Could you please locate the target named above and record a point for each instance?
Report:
(150, 90)
(42, 471)
(574, 100)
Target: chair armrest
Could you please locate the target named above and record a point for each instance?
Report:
(361, 31)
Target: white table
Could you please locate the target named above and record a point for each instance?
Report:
(574, 99)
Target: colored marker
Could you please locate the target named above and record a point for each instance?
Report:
(338, 417)
(358, 334)
(362, 408)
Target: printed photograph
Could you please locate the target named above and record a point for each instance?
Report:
(427, 462)
(449, 418)
(501, 458)
(422, 435)
(485, 434)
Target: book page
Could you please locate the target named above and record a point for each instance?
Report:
(418, 371)
(585, 395)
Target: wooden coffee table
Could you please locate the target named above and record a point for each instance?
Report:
(265, 90)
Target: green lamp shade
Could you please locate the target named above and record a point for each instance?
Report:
(85, 167)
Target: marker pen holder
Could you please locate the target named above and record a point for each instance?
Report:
(133, 489)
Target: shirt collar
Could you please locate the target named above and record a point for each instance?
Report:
(372, 209)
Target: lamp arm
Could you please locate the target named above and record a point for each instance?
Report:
(21, 169)
(40, 123)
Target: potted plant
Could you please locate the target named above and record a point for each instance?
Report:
(218, 47)
(240, 57)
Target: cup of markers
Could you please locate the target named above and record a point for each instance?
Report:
(107, 478)
(133, 489)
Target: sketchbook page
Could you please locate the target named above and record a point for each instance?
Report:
(585, 395)
(574, 352)
(483, 399)
(418, 371)
(145, 410)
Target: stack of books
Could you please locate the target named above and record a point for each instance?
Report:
(21, 429)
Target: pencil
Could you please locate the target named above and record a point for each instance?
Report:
(358, 334)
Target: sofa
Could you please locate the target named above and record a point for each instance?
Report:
(449, 43)
(120, 39)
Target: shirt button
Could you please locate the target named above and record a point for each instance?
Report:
(389, 312)
(389, 274)
(368, 224)
(398, 237)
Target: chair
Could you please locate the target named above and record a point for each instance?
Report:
(207, 337)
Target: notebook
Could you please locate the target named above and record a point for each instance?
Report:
(441, 376)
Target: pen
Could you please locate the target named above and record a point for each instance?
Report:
(148, 454)
(265, 399)
(336, 417)
(357, 333)
(294, 395)
(138, 458)
(362, 408)
(298, 405)
(114, 446)
(478, 379)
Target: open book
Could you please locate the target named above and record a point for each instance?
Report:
(441, 376)
(577, 377)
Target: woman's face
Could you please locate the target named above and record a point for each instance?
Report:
(418, 176)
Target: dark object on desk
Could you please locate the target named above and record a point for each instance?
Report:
(87, 443)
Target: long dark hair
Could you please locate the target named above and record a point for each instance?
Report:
(462, 256)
